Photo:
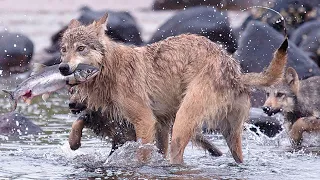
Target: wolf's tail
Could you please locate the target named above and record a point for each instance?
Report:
(273, 73)
(13, 101)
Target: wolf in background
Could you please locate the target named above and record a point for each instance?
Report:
(300, 103)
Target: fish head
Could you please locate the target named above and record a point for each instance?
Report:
(85, 72)
(82, 73)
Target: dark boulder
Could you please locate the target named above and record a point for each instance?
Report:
(221, 4)
(307, 38)
(259, 123)
(257, 45)
(16, 51)
(205, 21)
(258, 97)
(121, 27)
(262, 123)
(255, 51)
(15, 124)
(295, 13)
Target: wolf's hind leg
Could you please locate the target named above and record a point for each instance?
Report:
(162, 135)
(232, 126)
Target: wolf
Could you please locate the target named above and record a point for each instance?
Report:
(179, 82)
(119, 132)
(298, 100)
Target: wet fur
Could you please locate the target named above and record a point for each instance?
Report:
(183, 80)
(121, 131)
(299, 101)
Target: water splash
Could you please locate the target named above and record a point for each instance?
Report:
(127, 155)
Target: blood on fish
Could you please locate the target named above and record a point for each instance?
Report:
(28, 94)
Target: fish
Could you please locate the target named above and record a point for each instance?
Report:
(47, 79)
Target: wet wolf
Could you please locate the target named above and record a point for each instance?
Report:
(299, 101)
(180, 81)
(119, 132)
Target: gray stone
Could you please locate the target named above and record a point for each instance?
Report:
(205, 21)
(15, 124)
(15, 52)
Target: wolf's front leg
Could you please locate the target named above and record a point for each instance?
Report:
(143, 120)
(304, 124)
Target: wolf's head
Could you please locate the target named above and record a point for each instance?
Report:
(76, 105)
(83, 44)
(283, 96)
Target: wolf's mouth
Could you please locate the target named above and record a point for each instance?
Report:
(75, 111)
(271, 111)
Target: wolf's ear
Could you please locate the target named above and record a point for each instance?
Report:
(101, 24)
(73, 24)
(292, 79)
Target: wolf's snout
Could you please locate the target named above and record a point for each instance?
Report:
(266, 109)
(270, 110)
(64, 69)
(76, 107)
(72, 105)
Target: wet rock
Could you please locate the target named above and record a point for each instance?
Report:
(307, 38)
(258, 97)
(295, 13)
(257, 45)
(259, 122)
(221, 4)
(268, 125)
(15, 124)
(205, 21)
(15, 52)
(121, 27)
(47, 58)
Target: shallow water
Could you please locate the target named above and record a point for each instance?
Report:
(48, 156)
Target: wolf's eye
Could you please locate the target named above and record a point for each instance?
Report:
(80, 48)
(268, 94)
(63, 49)
(279, 94)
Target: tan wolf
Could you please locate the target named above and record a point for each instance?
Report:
(183, 80)
(119, 132)
(299, 101)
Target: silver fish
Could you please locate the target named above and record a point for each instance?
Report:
(45, 80)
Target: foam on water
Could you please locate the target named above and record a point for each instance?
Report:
(127, 155)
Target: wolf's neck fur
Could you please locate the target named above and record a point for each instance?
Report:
(299, 110)
(119, 68)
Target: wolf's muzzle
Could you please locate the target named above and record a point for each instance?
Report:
(65, 69)
(76, 108)
(270, 111)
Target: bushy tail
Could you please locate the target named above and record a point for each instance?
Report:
(273, 73)
(13, 101)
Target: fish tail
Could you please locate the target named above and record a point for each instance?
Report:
(13, 101)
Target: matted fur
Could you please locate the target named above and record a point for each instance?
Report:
(187, 78)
